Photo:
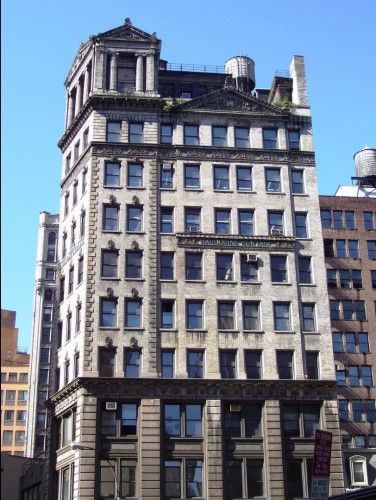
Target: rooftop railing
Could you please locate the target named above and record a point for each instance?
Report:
(199, 68)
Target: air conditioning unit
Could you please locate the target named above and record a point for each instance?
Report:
(111, 405)
(192, 229)
(166, 166)
(277, 232)
(235, 408)
(251, 257)
(340, 367)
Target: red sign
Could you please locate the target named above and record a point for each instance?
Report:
(321, 457)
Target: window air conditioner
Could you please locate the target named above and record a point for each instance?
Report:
(111, 405)
(235, 408)
(166, 166)
(277, 232)
(192, 229)
(251, 257)
(340, 367)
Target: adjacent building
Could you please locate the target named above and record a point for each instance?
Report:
(14, 387)
(192, 342)
(349, 230)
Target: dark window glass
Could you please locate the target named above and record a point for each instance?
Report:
(192, 176)
(353, 249)
(343, 410)
(224, 267)
(253, 364)
(357, 410)
(270, 138)
(134, 218)
(368, 220)
(222, 221)
(167, 265)
(191, 137)
(363, 342)
(308, 316)
(136, 133)
(297, 181)
(226, 320)
(109, 264)
(220, 136)
(350, 219)
(301, 227)
(294, 139)
(244, 178)
(167, 364)
(341, 248)
(192, 220)
(273, 180)
(221, 178)
(113, 131)
(110, 218)
(167, 225)
(195, 364)
(134, 175)
(133, 313)
(249, 268)
(278, 267)
(305, 273)
(194, 319)
(128, 419)
(337, 219)
(354, 376)
(167, 314)
(367, 376)
(275, 223)
(133, 264)
(166, 134)
(245, 218)
(228, 364)
(166, 176)
(242, 137)
(285, 364)
(312, 360)
(193, 266)
(112, 174)
(106, 362)
(132, 363)
(326, 220)
(282, 316)
(108, 312)
(251, 315)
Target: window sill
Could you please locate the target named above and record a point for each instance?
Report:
(134, 328)
(246, 191)
(167, 234)
(109, 328)
(307, 284)
(284, 331)
(194, 190)
(311, 332)
(167, 189)
(300, 194)
(111, 231)
(253, 331)
(195, 281)
(164, 280)
(134, 232)
(230, 282)
(223, 191)
(109, 278)
(137, 188)
(168, 330)
(250, 282)
(134, 279)
(108, 186)
(278, 283)
(276, 192)
(227, 331)
(196, 330)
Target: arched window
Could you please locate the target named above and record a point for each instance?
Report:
(358, 471)
(51, 248)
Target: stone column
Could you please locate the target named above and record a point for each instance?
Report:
(150, 70)
(140, 73)
(86, 83)
(78, 98)
(70, 109)
(113, 71)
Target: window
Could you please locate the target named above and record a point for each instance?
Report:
(133, 313)
(328, 248)
(44, 357)
(108, 312)
(167, 314)
(191, 137)
(245, 218)
(76, 366)
(373, 279)
(7, 438)
(370, 410)
(10, 395)
(297, 181)
(226, 318)
(312, 365)
(220, 137)
(367, 376)
(244, 178)
(68, 163)
(12, 377)
(222, 221)
(253, 364)
(134, 218)
(195, 361)
(22, 396)
(183, 420)
(166, 134)
(134, 178)
(23, 377)
(66, 372)
(294, 139)
(106, 362)
(136, 133)
(249, 268)
(350, 342)
(326, 220)
(301, 226)
(354, 376)
(360, 312)
(192, 219)
(167, 265)
(112, 174)
(183, 478)
(273, 180)
(359, 441)
(193, 266)
(21, 416)
(84, 180)
(110, 263)
(300, 420)
(59, 335)
(242, 137)
(358, 466)
(167, 364)
(278, 268)
(308, 317)
(282, 316)
(132, 363)
(85, 137)
(275, 223)
(334, 310)
(305, 272)
(110, 218)
(350, 219)
(8, 416)
(251, 316)
(75, 184)
(371, 246)
(285, 364)
(70, 280)
(343, 410)
(133, 264)
(337, 219)
(224, 267)
(368, 221)
(82, 224)
(66, 204)
(341, 248)
(341, 376)
(51, 247)
(221, 178)
(20, 438)
(363, 342)
(167, 224)
(166, 176)
(47, 313)
(270, 138)
(113, 131)
(242, 420)
(298, 478)
(194, 318)
(192, 176)
(357, 411)
(353, 249)
(80, 270)
(227, 360)
(371, 441)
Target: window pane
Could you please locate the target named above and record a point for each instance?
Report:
(193, 266)
(226, 316)
(297, 181)
(194, 314)
(242, 137)
(221, 178)
(273, 179)
(244, 178)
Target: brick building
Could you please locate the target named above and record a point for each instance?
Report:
(193, 353)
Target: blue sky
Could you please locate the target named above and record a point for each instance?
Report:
(40, 39)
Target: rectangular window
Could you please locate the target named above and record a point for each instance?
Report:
(7, 438)
(301, 225)
(47, 313)
(221, 178)
(275, 220)
(344, 277)
(133, 313)
(371, 247)
(167, 265)
(222, 221)
(253, 364)
(191, 137)
(136, 133)
(285, 364)
(62, 288)
(350, 342)
(132, 363)
(134, 177)
(273, 180)
(244, 178)
(370, 410)
(353, 249)
(113, 131)
(68, 163)
(334, 310)
(227, 360)
(245, 219)
(341, 249)
(357, 410)
(350, 219)
(251, 316)
(112, 174)
(282, 321)
(300, 420)
(294, 139)
(80, 270)
(270, 138)
(341, 376)
(76, 151)
(85, 137)
(194, 311)
(297, 181)
(308, 317)
(363, 343)
(75, 187)
(242, 137)
(192, 176)
(195, 361)
(183, 478)
(224, 267)
(166, 134)
(373, 279)
(110, 263)
(226, 317)
(278, 268)
(66, 204)
(326, 220)
(110, 218)
(337, 219)
(183, 420)
(242, 420)
(343, 410)
(82, 224)
(354, 376)
(220, 137)
(21, 416)
(249, 267)
(167, 314)
(133, 264)
(356, 275)
(192, 219)
(84, 180)
(44, 358)
(193, 266)
(312, 365)
(167, 223)
(328, 248)
(167, 364)
(108, 313)
(360, 312)
(167, 176)
(305, 272)
(298, 478)
(134, 218)
(367, 376)
(368, 221)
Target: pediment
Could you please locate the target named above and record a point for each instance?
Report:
(231, 100)
(81, 54)
(128, 32)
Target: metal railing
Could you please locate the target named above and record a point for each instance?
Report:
(199, 68)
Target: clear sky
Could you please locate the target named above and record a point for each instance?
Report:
(40, 39)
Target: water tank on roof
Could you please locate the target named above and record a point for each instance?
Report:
(365, 162)
(242, 69)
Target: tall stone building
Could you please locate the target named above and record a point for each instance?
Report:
(349, 224)
(193, 344)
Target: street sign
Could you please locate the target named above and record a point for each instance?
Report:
(321, 465)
